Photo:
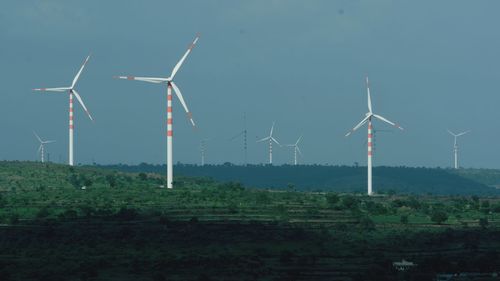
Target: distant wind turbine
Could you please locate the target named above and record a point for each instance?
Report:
(296, 149)
(455, 145)
(71, 90)
(41, 148)
(368, 118)
(203, 150)
(243, 133)
(271, 140)
(170, 85)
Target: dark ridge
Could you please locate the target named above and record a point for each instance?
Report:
(405, 180)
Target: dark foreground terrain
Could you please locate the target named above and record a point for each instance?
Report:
(123, 226)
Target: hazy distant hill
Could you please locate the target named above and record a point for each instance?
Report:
(342, 178)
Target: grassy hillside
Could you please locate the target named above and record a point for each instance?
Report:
(123, 226)
(403, 180)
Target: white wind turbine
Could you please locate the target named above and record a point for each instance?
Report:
(170, 84)
(455, 145)
(71, 90)
(271, 140)
(296, 149)
(368, 118)
(41, 149)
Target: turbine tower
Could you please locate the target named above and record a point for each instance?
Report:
(455, 145)
(271, 140)
(71, 90)
(368, 118)
(243, 133)
(203, 150)
(168, 81)
(41, 149)
(296, 149)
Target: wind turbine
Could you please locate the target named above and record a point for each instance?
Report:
(203, 149)
(455, 145)
(243, 133)
(168, 81)
(71, 90)
(368, 118)
(41, 149)
(296, 149)
(271, 140)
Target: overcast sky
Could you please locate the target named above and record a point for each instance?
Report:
(433, 65)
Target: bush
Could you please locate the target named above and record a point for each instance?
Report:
(43, 213)
(439, 216)
(142, 176)
(367, 224)
(349, 202)
(332, 199)
(111, 179)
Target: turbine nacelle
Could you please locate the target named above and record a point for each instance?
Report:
(71, 89)
(169, 80)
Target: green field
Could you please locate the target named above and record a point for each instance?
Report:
(124, 226)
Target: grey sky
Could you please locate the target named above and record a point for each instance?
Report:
(432, 66)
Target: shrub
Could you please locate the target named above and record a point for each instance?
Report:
(332, 198)
(367, 224)
(142, 176)
(439, 216)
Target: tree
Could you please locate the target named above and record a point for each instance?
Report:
(111, 179)
(485, 206)
(367, 224)
(75, 180)
(439, 216)
(143, 176)
(332, 199)
(349, 202)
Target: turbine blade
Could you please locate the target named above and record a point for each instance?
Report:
(369, 96)
(298, 149)
(82, 104)
(273, 139)
(144, 79)
(463, 133)
(79, 72)
(237, 135)
(451, 133)
(272, 129)
(181, 61)
(298, 140)
(38, 137)
(387, 121)
(50, 141)
(359, 125)
(40, 148)
(179, 95)
(60, 89)
(264, 139)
